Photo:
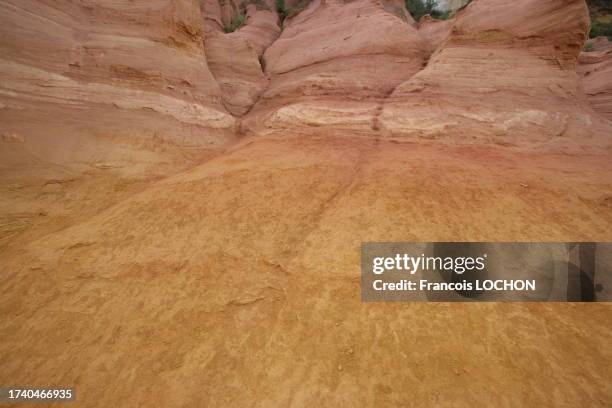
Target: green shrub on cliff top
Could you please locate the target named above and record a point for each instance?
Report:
(235, 24)
(419, 8)
(281, 9)
(601, 28)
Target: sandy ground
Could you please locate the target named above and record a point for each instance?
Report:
(236, 282)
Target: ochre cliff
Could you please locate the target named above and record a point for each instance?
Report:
(182, 209)
(235, 58)
(78, 74)
(504, 74)
(333, 66)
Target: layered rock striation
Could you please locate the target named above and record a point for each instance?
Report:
(333, 66)
(80, 74)
(235, 58)
(595, 68)
(505, 73)
(235, 282)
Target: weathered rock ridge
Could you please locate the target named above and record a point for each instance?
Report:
(504, 74)
(498, 72)
(334, 64)
(492, 74)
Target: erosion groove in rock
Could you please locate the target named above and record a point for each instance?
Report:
(235, 59)
(332, 65)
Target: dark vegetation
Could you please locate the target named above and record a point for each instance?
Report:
(240, 18)
(602, 4)
(281, 9)
(298, 8)
(420, 8)
(601, 28)
(284, 12)
(601, 18)
(235, 24)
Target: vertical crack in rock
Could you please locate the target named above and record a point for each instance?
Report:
(331, 66)
(235, 58)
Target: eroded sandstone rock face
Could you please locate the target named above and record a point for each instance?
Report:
(334, 64)
(235, 58)
(237, 69)
(498, 72)
(235, 282)
(595, 67)
(261, 29)
(504, 74)
(76, 75)
(434, 32)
